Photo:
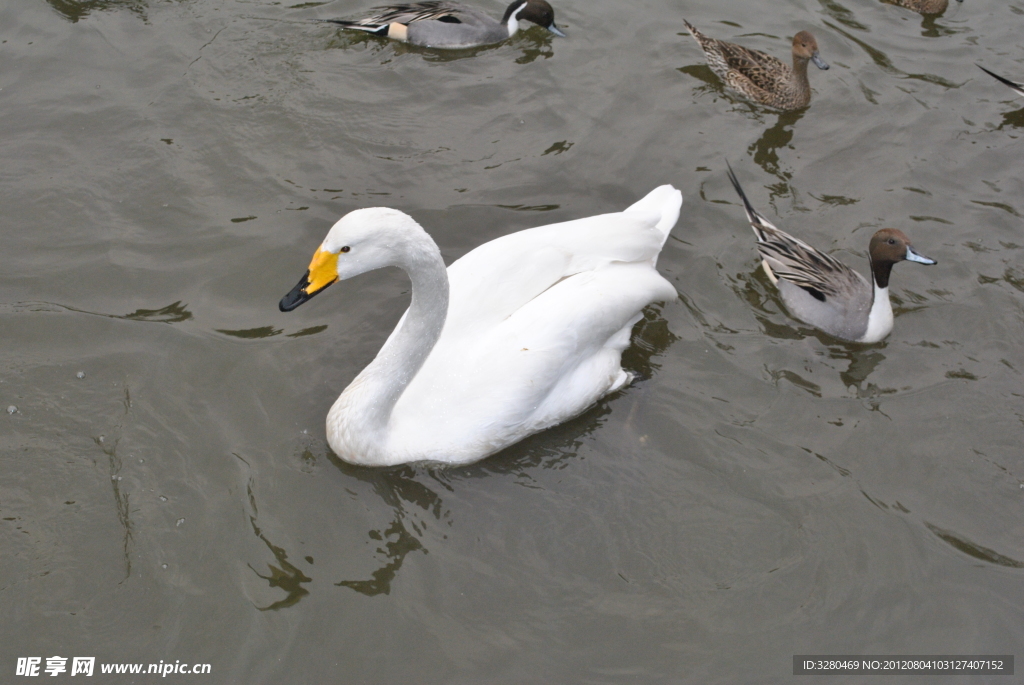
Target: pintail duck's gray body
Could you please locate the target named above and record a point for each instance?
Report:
(1017, 87)
(760, 77)
(442, 24)
(922, 6)
(822, 291)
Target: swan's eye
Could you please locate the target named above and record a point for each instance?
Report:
(346, 248)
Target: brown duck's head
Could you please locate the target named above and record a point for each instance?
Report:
(806, 48)
(888, 246)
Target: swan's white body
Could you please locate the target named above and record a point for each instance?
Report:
(536, 324)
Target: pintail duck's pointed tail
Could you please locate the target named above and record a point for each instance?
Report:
(1017, 87)
(760, 225)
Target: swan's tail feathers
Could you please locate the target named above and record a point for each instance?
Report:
(663, 203)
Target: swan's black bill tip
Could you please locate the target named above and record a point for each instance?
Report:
(296, 296)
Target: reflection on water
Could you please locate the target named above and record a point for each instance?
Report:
(841, 14)
(397, 487)
(285, 575)
(108, 444)
(972, 549)
(414, 493)
(835, 200)
(757, 290)
(883, 61)
(398, 542)
(713, 84)
(763, 150)
(1014, 119)
(312, 330)
(531, 208)
(845, 473)
(795, 379)
(74, 10)
(651, 338)
(863, 361)
(703, 73)
(535, 43)
(175, 312)
(777, 136)
(931, 28)
(254, 333)
(541, 47)
(121, 504)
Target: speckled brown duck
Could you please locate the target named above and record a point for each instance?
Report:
(760, 77)
(922, 6)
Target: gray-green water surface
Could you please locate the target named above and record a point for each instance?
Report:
(169, 167)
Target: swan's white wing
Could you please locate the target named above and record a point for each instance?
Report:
(494, 280)
(536, 325)
(577, 331)
(544, 364)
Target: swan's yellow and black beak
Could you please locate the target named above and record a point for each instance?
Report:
(322, 272)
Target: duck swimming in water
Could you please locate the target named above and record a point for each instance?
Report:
(760, 77)
(922, 6)
(442, 24)
(822, 291)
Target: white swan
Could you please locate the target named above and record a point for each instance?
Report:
(520, 334)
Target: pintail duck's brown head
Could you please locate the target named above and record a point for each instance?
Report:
(805, 47)
(889, 246)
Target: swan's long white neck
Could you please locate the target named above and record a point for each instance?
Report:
(358, 421)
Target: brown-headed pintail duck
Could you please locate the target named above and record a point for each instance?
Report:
(761, 77)
(442, 24)
(922, 6)
(1017, 87)
(822, 291)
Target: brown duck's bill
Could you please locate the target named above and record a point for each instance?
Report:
(819, 62)
(299, 294)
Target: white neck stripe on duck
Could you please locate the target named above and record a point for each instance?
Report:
(513, 19)
(880, 318)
